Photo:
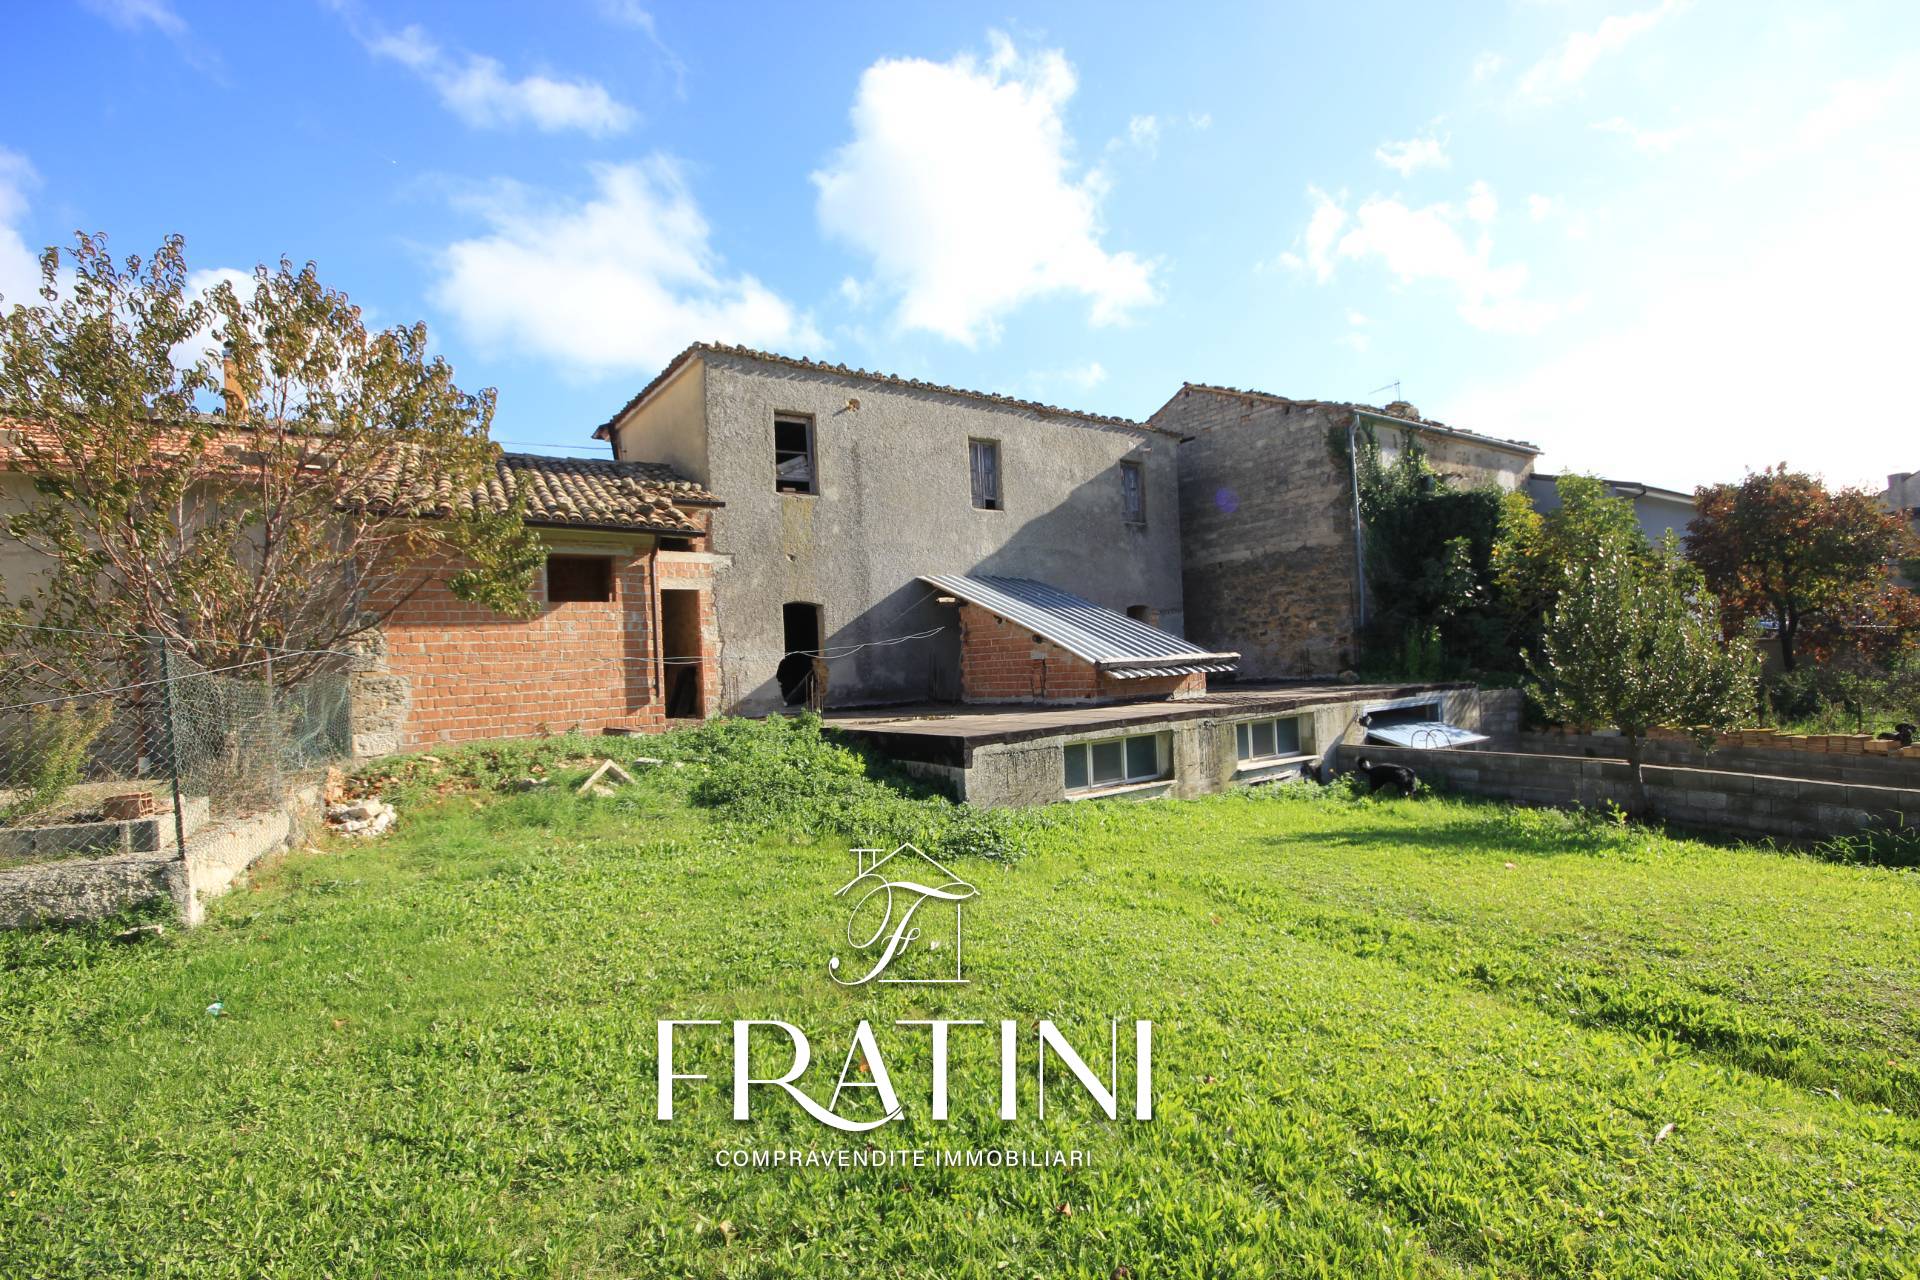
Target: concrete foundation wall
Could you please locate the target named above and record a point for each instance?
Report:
(1710, 799)
(1032, 771)
(894, 502)
(82, 890)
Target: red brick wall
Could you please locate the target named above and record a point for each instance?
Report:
(1002, 662)
(473, 673)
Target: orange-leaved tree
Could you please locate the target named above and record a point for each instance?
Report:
(1781, 547)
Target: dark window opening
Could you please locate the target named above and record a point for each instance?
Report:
(1144, 613)
(676, 544)
(1133, 493)
(579, 579)
(681, 649)
(800, 627)
(793, 470)
(983, 459)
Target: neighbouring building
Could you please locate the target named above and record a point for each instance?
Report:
(845, 489)
(1659, 511)
(1270, 546)
(1903, 497)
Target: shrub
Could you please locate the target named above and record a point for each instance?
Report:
(785, 774)
(43, 751)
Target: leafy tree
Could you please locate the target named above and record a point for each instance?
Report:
(1535, 549)
(1429, 547)
(283, 520)
(1634, 642)
(1780, 546)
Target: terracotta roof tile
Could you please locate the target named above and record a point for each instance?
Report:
(586, 493)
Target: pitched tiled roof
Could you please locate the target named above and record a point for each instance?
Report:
(1122, 647)
(588, 493)
(1412, 420)
(585, 493)
(605, 430)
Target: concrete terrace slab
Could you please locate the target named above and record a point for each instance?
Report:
(980, 725)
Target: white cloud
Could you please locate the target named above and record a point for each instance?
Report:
(1482, 206)
(1200, 119)
(1083, 377)
(1540, 207)
(1423, 152)
(1564, 68)
(1717, 372)
(478, 90)
(1487, 66)
(629, 13)
(957, 185)
(1356, 318)
(134, 14)
(19, 265)
(1144, 133)
(1425, 244)
(613, 284)
(1652, 141)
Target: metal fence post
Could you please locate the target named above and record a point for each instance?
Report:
(169, 741)
(274, 748)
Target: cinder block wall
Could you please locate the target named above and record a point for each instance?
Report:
(451, 671)
(1003, 662)
(1266, 528)
(1790, 808)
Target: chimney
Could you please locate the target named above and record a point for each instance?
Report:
(236, 400)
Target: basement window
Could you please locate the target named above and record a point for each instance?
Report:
(1256, 741)
(1133, 493)
(793, 469)
(983, 459)
(1117, 762)
(579, 579)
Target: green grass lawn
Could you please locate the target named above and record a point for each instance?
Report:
(1422, 1038)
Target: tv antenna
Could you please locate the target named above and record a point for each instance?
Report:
(1395, 384)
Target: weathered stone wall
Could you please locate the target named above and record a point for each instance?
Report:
(1267, 520)
(1001, 661)
(1752, 804)
(1266, 530)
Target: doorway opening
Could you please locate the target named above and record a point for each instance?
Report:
(680, 647)
(800, 627)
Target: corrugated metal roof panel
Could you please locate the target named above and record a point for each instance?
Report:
(1123, 647)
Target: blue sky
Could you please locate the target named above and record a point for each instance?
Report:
(1666, 241)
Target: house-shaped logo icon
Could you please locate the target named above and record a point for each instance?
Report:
(897, 899)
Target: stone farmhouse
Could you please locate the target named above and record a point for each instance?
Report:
(1027, 602)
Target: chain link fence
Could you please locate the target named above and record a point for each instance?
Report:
(148, 762)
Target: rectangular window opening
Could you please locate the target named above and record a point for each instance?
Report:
(1117, 762)
(793, 467)
(983, 460)
(1133, 493)
(579, 579)
(1258, 740)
